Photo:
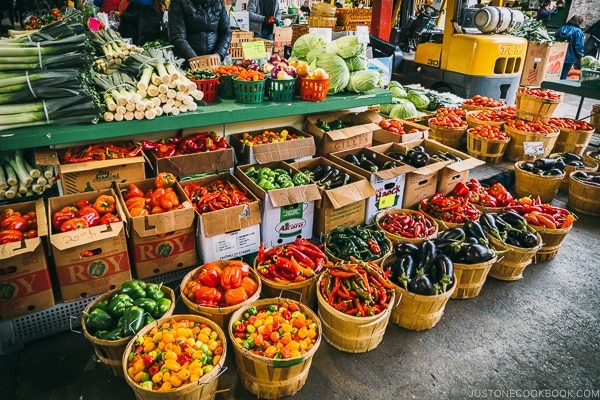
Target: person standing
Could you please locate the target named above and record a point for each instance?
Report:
(128, 16)
(199, 27)
(107, 6)
(305, 8)
(572, 33)
(264, 16)
(150, 20)
(545, 11)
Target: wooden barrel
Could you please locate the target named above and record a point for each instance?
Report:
(451, 137)
(528, 183)
(270, 378)
(552, 239)
(584, 198)
(110, 352)
(203, 389)
(572, 141)
(532, 108)
(350, 333)
(516, 151)
(511, 265)
(220, 315)
(470, 278)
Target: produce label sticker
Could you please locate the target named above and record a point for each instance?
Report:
(387, 201)
(533, 148)
(254, 50)
(362, 32)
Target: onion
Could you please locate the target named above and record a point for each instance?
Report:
(275, 58)
(291, 71)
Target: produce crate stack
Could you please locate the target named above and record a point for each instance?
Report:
(237, 38)
(322, 15)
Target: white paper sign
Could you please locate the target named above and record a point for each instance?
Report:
(533, 148)
(362, 31)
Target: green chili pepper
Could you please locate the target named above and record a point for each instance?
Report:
(98, 319)
(135, 288)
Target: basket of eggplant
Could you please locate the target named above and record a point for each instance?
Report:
(509, 232)
(541, 177)
(573, 162)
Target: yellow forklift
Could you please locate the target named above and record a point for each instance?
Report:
(451, 46)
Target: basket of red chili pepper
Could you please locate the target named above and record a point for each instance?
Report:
(449, 211)
(216, 289)
(355, 302)
(404, 225)
(274, 341)
(291, 267)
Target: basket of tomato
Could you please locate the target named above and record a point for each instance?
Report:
(574, 136)
(536, 103)
(216, 289)
(448, 129)
(479, 102)
(521, 131)
(249, 86)
(487, 142)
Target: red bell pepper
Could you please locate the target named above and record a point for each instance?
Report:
(235, 296)
(105, 203)
(210, 275)
(209, 296)
(109, 218)
(231, 277)
(65, 214)
(91, 215)
(132, 190)
(10, 235)
(74, 224)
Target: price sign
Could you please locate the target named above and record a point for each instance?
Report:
(362, 31)
(533, 149)
(254, 50)
(387, 201)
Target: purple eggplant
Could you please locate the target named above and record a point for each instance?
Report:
(421, 284)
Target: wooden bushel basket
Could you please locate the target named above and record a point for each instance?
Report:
(528, 183)
(590, 165)
(204, 389)
(470, 278)
(110, 352)
(220, 315)
(531, 108)
(511, 266)
(268, 378)
(584, 198)
(572, 141)
(397, 238)
(350, 333)
(488, 150)
(552, 239)
(448, 136)
(516, 151)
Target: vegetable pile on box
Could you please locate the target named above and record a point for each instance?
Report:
(215, 196)
(449, 208)
(162, 198)
(16, 226)
(496, 195)
(359, 243)
(292, 262)
(18, 178)
(85, 214)
(178, 145)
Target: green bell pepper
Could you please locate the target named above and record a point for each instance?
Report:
(98, 319)
(146, 303)
(162, 306)
(133, 321)
(154, 291)
(114, 334)
(102, 305)
(265, 173)
(135, 288)
(119, 304)
(300, 178)
(267, 184)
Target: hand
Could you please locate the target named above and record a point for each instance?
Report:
(280, 24)
(271, 20)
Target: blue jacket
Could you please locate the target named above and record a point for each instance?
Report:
(574, 36)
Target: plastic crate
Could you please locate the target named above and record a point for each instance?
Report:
(209, 87)
(590, 78)
(281, 89)
(313, 89)
(249, 92)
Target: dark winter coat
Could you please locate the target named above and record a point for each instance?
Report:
(574, 35)
(199, 27)
(149, 25)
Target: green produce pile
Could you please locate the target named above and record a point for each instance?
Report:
(533, 31)
(278, 178)
(411, 102)
(127, 311)
(360, 243)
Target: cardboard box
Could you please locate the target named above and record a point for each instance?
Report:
(190, 164)
(270, 152)
(281, 37)
(97, 175)
(421, 182)
(228, 233)
(381, 136)
(25, 284)
(358, 135)
(161, 243)
(388, 184)
(543, 62)
(342, 206)
(286, 213)
(240, 20)
(453, 172)
(79, 275)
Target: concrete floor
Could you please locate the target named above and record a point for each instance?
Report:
(536, 337)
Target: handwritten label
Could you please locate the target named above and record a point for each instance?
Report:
(362, 31)
(254, 50)
(387, 201)
(533, 149)
(83, 236)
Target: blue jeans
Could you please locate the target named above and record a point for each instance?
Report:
(565, 71)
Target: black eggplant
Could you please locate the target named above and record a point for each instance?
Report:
(513, 241)
(457, 233)
(320, 171)
(426, 254)
(553, 172)
(339, 180)
(560, 163)
(419, 148)
(406, 248)
(421, 284)
(529, 240)
(571, 156)
(352, 159)
(527, 166)
(389, 164)
(442, 273)
(544, 163)
(478, 253)
(398, 156)
(329, 175)
(368, 165)
(575, 163)
(418, 159)
(474, 229)
(515, 220)
(404, 270)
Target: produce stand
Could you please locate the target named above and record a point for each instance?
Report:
(220, 113)
(573, 87)
(64, 316)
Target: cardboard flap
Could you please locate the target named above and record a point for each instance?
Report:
(13, 249)
(206, 161)
(350, 193)
(86, 166)
(294, 195)
(351, 131)
(287, 150)
(465, 165)
(230, 219)
(42, 223)
(67, 240)
(394, 172)
(156, 224)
